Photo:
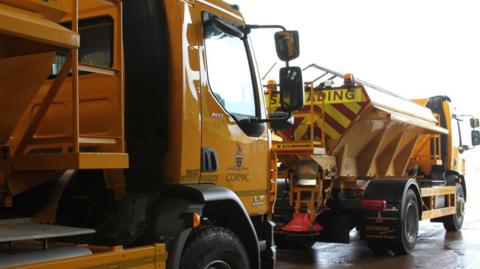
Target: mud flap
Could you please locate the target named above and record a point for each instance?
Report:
(337, 228)
(385, 226)
(269, 255)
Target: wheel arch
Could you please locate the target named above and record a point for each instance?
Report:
(221, 206)
(393, 191)
(461, 181)
(391, 234)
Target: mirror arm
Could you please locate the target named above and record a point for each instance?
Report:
(257, 120)
(464, 148)
(248, 27)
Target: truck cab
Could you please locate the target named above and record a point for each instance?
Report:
(448, 148)
(139, 128)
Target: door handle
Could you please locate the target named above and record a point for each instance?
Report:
(209, 160)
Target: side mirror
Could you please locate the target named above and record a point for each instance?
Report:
(292, 94)
(281, 120)
(474, 123)
(287, 45)
(475, 138)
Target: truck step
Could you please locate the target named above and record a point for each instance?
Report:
(97, 69)
(65, 161)
(68, 139)
(23, 229)
(8, 260)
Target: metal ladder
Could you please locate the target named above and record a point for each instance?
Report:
(328, 74)
(72, 157)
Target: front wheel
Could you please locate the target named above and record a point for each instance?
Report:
(214, 247)
(454, 222)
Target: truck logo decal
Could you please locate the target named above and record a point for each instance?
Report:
(238, 173)
(215, 115)
(239, 158)
(258, 200)
(237, 177)
(380, 230)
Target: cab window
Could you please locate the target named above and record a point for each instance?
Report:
(229, 73)
(96, 44)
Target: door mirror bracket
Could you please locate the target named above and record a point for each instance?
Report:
(278, 120)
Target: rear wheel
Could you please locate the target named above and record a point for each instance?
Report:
(454, 222)
(407, 234)
(407, 237)
(213, 247)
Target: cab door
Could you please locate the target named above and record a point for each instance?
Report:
(235, 149)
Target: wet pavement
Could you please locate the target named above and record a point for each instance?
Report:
(435, 247)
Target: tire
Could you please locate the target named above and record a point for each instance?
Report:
(408, 226)
(86, 201)
(213, 247)
(454, 223)
(146, 92)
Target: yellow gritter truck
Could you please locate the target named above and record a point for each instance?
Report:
(133, 134)
(362, 157)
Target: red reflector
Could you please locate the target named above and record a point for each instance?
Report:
(373, 205)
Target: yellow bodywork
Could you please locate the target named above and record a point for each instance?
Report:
(76, 120)
(100, 106)
(367, 137)
(145, 257)
(356, 133)
(59, 117)
(191, 132)
(422, 153)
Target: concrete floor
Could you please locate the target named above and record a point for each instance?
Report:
(435, 248)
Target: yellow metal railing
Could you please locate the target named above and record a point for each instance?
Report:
(293, 145)
(431, 155)
(72, 156)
